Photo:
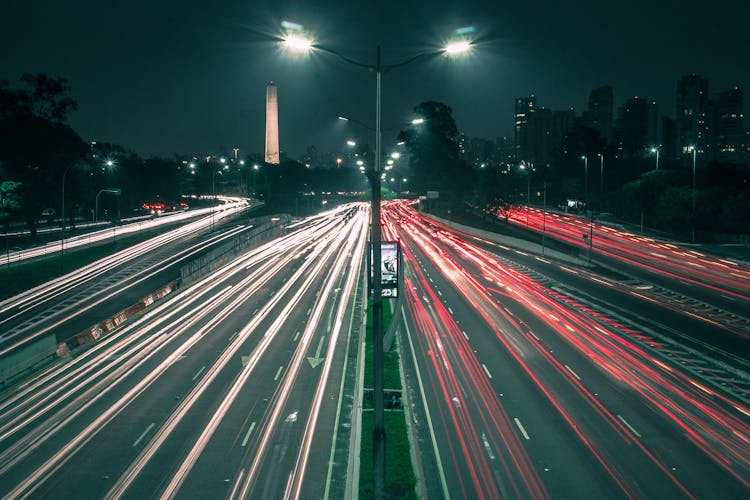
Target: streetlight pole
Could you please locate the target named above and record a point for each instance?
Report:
(586, 204)
(692, 230)
(377, 305)
(657, 158)
(601, 180)
(655, 150)
(62, 199)
(114, 191)
(585, 181)
(528, 188)
(544, 215)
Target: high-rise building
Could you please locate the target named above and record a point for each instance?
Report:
(636, 127)
(523, 121)
(506, 153)
(692, 116)
(272, 125)
(726, 126)
(541, 146)
(562, 123)
(601, 111)
(668, 138)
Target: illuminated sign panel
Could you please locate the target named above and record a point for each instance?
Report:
(390, 263)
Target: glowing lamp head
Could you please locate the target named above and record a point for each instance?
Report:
(417, 121)
(298, 43)
(457, 47)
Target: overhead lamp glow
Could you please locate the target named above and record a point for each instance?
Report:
(351, 144)
(298, 43)
(417, 121)
(395, 155)
(457, 47)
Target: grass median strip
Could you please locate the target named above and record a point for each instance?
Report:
(400, 480)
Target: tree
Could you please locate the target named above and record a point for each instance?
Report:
(36, 147)
(47, 97)
(10, 201)
(434, 149)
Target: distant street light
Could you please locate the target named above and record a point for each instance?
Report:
(296, 41)
(656, 149)
(351, 143)
(114, 191)
(417, 121)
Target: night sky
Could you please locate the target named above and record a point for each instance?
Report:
(188, 77)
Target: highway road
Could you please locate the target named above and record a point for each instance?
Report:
(237, 386)
(532, 378)
(229, 205)
(67, 305)
(721, 281)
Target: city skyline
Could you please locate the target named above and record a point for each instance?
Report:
(176, 79)
(709, 120)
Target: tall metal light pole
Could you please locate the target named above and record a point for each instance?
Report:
(601, 180)
(62, 198)
(300, 43)
(692, 230)
(586, 204)
(585, 181)
(523, 166)
(544, 214)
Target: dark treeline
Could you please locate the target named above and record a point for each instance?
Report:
(38, 151)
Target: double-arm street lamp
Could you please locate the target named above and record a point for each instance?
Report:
(295, 40)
